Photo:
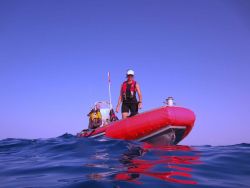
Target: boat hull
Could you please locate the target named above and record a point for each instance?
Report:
(162, 126)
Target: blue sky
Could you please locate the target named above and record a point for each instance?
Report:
(55, 55)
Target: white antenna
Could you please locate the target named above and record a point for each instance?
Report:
(110, 102)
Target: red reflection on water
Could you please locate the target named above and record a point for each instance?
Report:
(174, 171)
(148, 146)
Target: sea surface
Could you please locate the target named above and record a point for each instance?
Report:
(68, 161)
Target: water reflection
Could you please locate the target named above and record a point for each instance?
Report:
(164, 163)
(171, 168)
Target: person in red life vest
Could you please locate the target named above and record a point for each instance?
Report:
(128, 92)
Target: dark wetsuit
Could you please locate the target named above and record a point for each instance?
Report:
(130, 103)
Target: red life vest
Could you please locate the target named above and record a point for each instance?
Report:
(132, 89)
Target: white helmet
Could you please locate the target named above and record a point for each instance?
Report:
(130, 72)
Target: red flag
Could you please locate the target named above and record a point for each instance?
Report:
(109, 76)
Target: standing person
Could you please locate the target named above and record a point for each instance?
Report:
(128, 91)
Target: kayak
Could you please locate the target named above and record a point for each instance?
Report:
(167, 125)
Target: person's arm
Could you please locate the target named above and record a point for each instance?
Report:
(119, 101)
(138, 89)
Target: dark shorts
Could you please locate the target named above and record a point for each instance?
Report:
(130, 107)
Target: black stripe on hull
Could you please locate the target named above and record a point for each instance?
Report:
(171, 136)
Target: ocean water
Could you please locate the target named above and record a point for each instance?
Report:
(68, 161)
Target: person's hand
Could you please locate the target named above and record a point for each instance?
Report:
(117, 108)
(140, 105)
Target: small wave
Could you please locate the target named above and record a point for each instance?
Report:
(66, 135)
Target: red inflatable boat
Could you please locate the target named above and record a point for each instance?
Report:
(167, 125)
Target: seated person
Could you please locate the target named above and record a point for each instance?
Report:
(95, 118)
